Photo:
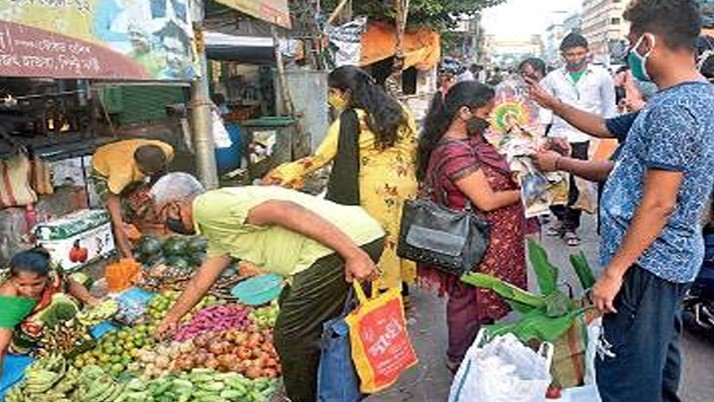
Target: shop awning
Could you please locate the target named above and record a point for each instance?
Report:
(246, 49)
(421, 47)
(273, 11)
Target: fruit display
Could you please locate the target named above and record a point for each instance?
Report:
(199, 385)
(116, 350)
(265, 317)
(214, 319)
(94, 315)
(66, 338)
(222, 351)
(122, 274)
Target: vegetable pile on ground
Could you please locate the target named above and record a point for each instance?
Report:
(51, 380)
(244, 348)
(222, 351)
(199, 385)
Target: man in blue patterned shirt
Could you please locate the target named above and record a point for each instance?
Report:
(652, 207)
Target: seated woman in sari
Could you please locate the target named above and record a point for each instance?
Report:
(29, 292)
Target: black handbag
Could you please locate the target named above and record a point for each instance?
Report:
(450, 240)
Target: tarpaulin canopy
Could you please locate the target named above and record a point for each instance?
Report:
(421, 47)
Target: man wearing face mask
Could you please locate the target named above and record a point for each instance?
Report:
(586, 87)
(122, 173)
(319, 245)
(651, 207)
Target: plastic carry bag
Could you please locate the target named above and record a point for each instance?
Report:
(337, 379)
(381, 349)
(503, 370)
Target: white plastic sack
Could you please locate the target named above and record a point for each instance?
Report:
(504, 370)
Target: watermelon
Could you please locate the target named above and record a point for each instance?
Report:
(178, 262)
(175, 245)
(196, 259)
(148, 246)
(196, 245)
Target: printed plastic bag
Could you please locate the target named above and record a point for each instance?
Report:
(504, 370)
(381, 349)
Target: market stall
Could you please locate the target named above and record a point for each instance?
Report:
(223, 350)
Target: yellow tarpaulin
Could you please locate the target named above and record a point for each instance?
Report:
(421, 47)
(274, 11)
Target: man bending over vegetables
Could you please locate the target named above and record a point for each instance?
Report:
(319, 246)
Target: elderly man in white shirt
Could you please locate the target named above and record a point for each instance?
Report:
(587, 87)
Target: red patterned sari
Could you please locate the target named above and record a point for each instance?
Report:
(467, 306)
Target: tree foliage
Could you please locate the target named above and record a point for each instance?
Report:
(439, 14)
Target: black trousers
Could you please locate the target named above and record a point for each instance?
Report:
(566, 214)
(316, 295)
(638, 356)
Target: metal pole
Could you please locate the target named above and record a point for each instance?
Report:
(201, 115)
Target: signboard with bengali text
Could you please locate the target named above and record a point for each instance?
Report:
(145, 40)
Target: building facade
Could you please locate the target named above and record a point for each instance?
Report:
(605, 28)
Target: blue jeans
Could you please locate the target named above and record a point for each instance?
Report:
(638, 356)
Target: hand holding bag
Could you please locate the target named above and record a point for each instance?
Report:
(381, 348)
(452, 241)
(337, 379)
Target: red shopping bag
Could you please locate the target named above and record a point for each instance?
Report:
(381, 348)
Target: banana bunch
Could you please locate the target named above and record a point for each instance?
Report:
(94, 315)
(49, 379)
(94, 385)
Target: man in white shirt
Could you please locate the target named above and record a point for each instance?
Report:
(587, 87)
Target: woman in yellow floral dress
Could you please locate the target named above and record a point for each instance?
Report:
(373, 149)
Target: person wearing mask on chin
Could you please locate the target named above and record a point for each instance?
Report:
(587, 87)
(372, 146)
(651, 208)
(319, 246)
(120, 172)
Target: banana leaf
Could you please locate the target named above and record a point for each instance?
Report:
(537, 325)
(505, 290)
(583, 270)
(557, 304)
(546, 273)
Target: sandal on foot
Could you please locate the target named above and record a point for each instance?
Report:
(555, 231)
(571, 239)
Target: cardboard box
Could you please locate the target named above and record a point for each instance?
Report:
(77, 239)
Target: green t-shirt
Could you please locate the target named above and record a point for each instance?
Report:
(221, 217)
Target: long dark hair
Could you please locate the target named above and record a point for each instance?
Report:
(384, 114)
(470, 94)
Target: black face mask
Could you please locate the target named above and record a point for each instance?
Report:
(176, 225)
(476, 126)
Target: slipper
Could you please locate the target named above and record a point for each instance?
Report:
(571, 239)
(555, 231)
